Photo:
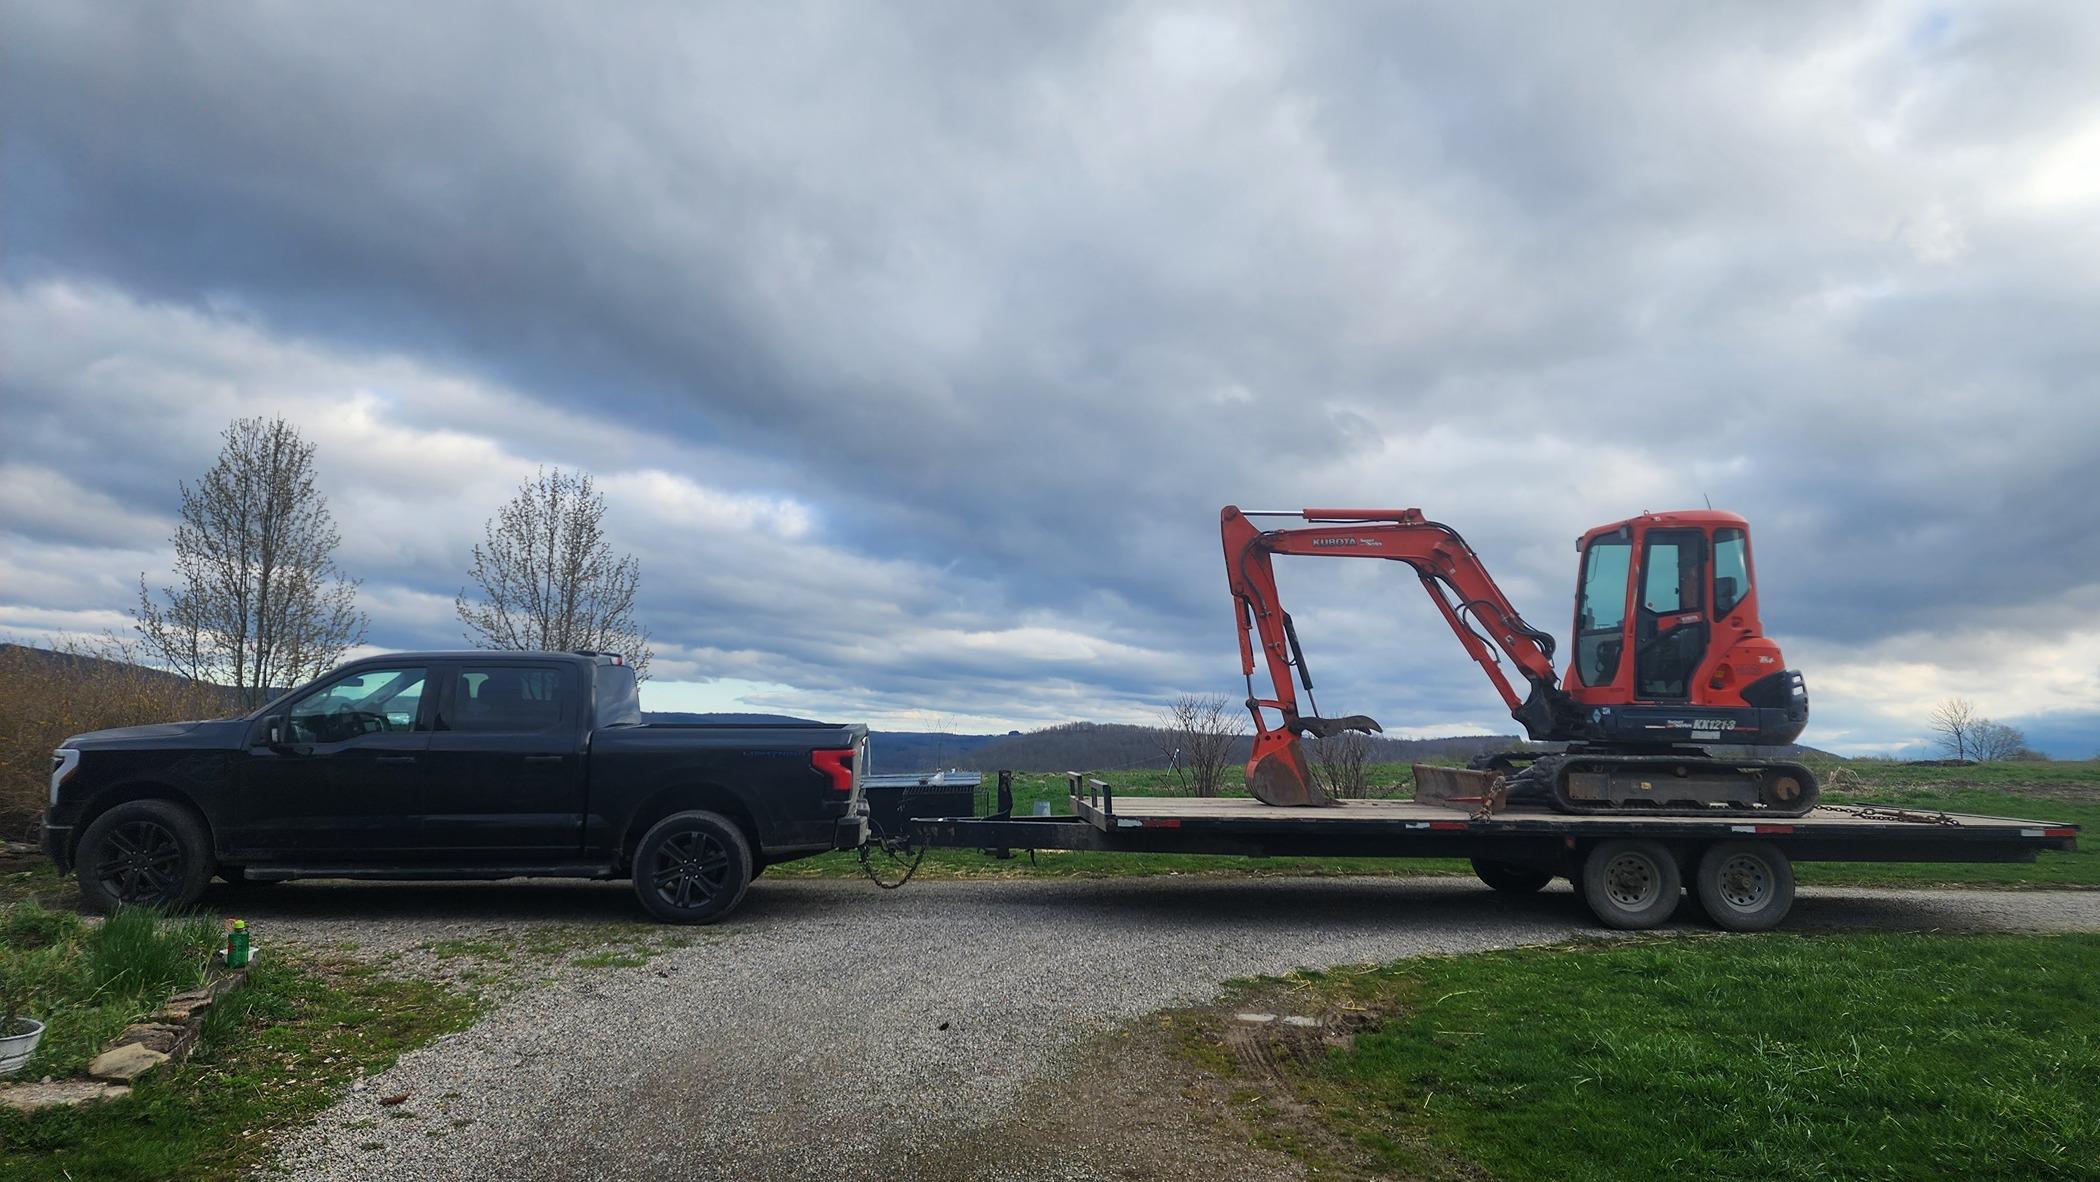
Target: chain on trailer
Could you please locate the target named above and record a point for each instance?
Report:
(893, 850)
(1868, 812)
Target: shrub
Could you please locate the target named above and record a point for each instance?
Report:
(47, 694)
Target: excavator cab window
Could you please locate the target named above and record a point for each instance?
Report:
(1600, 613)
(1670, 624)
(1731, 569)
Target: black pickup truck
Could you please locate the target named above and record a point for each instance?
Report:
(454, 765)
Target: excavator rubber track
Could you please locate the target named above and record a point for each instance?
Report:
(1680, 785)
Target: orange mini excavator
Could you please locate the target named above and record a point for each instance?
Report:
(1669, 660)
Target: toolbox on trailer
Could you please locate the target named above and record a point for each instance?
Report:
(1631, 869)
(893, 800)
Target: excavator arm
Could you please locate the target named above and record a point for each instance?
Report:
(1457, 583)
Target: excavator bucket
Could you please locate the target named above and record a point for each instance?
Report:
(1278, 775)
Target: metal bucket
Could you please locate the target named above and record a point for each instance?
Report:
(16, 1048)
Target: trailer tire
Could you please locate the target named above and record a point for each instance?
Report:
(692, 867)
(1745, 886)
(1512, 878)
(1631, 884)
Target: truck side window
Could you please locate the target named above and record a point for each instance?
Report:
(365, 703)
(508, 699)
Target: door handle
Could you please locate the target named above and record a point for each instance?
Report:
(543, 759)
(395, 759)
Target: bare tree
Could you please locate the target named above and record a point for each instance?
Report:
(1953, 724)
(260, 603)
(1202, 727)
(549, 580)
(1341, 763)
(1990, 741)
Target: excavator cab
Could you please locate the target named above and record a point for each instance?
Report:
(1668, 644)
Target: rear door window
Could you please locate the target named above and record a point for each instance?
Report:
(509, 699)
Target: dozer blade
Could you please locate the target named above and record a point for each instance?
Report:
(1279, 776)
(1476, 792)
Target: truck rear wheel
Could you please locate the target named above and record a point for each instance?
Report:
(151, 853)
(1631, 884)
(692, 867)
(1512, 877)
(1745, 886)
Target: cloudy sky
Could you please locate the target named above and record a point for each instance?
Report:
(915, 348)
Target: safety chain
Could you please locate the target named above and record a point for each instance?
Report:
(867, 866)
(1868, 812)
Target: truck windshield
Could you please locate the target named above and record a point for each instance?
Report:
(1600, 614)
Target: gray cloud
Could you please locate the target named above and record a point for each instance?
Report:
(1011, 302)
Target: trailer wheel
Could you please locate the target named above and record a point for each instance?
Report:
(692, 867)
(1631, 884)
(1512, 877)
(1745, 886)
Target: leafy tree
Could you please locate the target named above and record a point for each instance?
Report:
(260, 604)
(550, 581)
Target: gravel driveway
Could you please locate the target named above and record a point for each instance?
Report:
(836, 1031)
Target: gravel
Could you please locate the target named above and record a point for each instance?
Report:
(835, 1031)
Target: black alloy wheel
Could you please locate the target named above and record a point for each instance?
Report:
(141, 863)
(150, 853)
(692, 867)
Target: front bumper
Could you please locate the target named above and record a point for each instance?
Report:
(57, 841)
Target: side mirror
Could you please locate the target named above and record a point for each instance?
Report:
(274, 736)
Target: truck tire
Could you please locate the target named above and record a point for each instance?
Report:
(1631, 884)
(1512, 877)
(144, 853)
(692, 868)
(1745, 886)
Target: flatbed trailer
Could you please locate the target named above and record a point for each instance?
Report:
(1631, 869)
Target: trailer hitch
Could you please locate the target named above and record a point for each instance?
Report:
(893, 852)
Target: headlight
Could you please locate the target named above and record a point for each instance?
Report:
(63, 761)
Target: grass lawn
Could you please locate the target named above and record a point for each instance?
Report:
(86, 983)
(1758, 1057)
(2059, 792)
(274, 1052)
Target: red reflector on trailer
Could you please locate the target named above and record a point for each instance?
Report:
(2068, 831)
(1163, 823)
(1773, 829)
(837, 764)
(1447, 824)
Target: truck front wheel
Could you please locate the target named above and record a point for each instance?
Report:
(692, 867)
(152, 853)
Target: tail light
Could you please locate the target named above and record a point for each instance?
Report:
(835, 764)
